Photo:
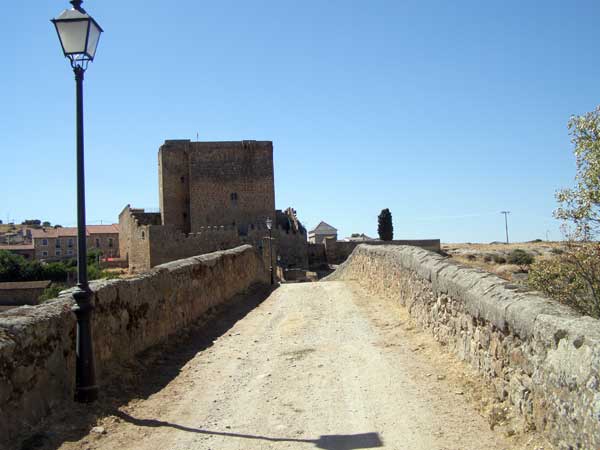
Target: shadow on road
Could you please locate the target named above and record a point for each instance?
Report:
(151, 371)
(328, 442)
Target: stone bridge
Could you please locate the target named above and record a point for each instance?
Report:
(399, 348)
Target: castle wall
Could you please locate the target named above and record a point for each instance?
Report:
(231, 183)
(174, 185)
(293, 249)
(133, 236)
(165, 243)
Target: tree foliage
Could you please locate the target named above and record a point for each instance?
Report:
(572, 276)
(16, 268)
(580, 205)
(385, 228)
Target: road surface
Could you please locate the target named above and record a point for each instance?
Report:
(316, 365)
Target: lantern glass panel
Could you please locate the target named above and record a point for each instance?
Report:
(93, 39)
(73, 35)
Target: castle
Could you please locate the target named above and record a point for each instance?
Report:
(212, 196)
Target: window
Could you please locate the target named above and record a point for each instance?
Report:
(45, 243)
(70, 243)
(44, 253)
(97, 242)
(234, 198)
(143, 235)
(110, 242)
(57, 243)
(70, 252)
(57, 252)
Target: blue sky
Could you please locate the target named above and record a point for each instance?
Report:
(444, 112)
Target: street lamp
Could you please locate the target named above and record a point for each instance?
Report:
(269, 223)
(79, 34)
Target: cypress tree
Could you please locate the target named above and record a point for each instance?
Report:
(385, 228)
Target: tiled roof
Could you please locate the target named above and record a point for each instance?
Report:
(324, 227)
(103, 229)
(72, 231)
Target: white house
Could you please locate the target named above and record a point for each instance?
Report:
(321, 232)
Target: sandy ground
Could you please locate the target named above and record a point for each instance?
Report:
(316, 365)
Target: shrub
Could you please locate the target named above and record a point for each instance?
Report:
(520, 258)
(488, 258)
(572, 278)
(52, 291)
(499, 259)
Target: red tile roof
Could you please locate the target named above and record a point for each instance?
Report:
(72, 231)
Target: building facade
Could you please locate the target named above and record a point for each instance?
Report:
(204, 184)
(321, 232)
(212, 196)
(54, 244)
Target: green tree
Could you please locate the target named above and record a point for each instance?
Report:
(580, 205)
(385, 228)
(573, 275)
(10, 266)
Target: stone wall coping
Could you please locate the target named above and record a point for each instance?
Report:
(487, 296)
(19, 321)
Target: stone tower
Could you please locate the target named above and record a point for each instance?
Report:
(204, 184)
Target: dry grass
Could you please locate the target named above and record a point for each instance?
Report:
(479, 255)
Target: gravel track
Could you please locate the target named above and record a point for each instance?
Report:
(316, 365)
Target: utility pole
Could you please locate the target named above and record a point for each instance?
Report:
(506, 213)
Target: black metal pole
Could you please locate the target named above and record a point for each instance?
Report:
(86, 390)
(271, 256)
(506, 225)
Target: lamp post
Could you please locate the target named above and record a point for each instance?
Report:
(269, 223)
(79, 33)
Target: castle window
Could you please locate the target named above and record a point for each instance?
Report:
(182, 179)
(234, 198)
(143, 235)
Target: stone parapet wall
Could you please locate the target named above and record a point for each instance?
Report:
(37, 344)
(338, 251)
(541, 356)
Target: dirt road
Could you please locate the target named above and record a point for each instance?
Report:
(316, 365)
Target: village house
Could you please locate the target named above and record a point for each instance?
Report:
(53, 244)
(321, 232)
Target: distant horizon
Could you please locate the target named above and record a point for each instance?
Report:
(444, 113)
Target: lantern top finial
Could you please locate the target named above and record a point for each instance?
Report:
(77, 4)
